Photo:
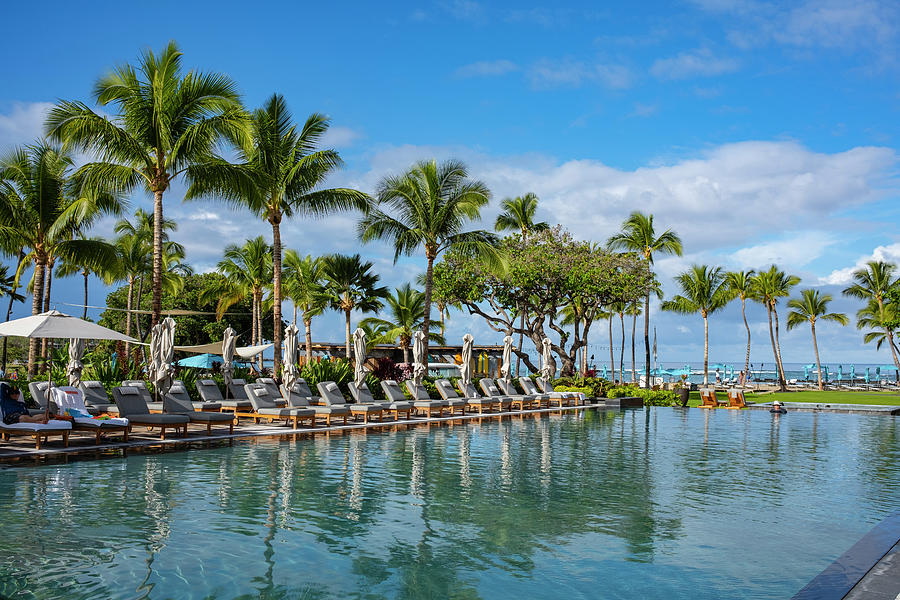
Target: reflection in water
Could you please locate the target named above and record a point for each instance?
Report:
(601, 504)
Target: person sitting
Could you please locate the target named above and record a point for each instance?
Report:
(14, 410)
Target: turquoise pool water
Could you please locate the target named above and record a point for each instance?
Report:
(662, 503)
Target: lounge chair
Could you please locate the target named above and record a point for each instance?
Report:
(420, 394)
(274, 391)
(95, 397)
(180, 392)
(237, 391)
(469, 392)
(209, 392)
(132, 406)
(363, 395)
(70, 400)
(736, 399)
(708, 398)
(178, 402)
(39, 431)
(445, 389)
(301, 397)
(559, 398)
(154, 406)
(331, 394)
(547, 387)
(507, 388)
(264, 407)
(393, 393)
(491, 390)
(38, 391)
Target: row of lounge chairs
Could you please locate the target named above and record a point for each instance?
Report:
(709, 399)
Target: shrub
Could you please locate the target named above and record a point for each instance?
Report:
(650, 397)
(596, 385)
(571, 388)
(386, 369)
(339, 371)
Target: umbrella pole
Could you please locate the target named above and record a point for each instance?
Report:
(49, 384)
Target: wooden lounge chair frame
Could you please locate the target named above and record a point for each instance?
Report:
(256, 416)
(736, 399)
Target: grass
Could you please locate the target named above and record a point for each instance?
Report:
(817, 397)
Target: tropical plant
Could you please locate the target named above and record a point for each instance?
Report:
(339, 371)
(880, 321)
(351, 286)
(407, 311)
(634, 309)
(428, 207)
(639, 235)
(877, 283)
(766, 288)
(277, 176)
(704, 291)
(69, 268)
(740, 283)
(809, 308)
(166, 122)
(9, 286)
(304, 285)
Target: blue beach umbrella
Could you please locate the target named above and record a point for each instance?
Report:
(867, 374)
(825, 368)
(840, 376)
(853, 373)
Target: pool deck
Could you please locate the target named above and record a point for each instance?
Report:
(21, 449)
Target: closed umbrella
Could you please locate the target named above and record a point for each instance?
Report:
(506, 367)
(229, 340)
(359, 351)
(547, 369)
(165, 370)
(74, 367)
(153, 352)
(290, 372)
(465, 369)
(419, 367)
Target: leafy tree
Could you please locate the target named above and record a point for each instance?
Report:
(427, 207)
(809, 308)
(351, 286)
(766, 288)
(639, 235)
(705, 291)
(277, 176)
(304, 285)
(166, 122)
(407, 311)
(740, 283)
(881, 322)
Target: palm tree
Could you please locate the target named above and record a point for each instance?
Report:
(518, 215)
(166, 122)
(704, 291)
(430, 204)
(809, 308)
(638, 235)
(10, 286)
(248, 272)
(278, 176)
(634, 310)
(880, 321)
(68, 268)
(407, 310)
(873, 284)
(741, 285)
(42, 207)
(304, 285)
(767, 287)
(352, 287)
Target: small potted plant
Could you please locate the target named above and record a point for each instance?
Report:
(684, 390)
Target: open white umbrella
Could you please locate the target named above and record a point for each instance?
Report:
(74, 367)
(419, 366)
(289, 369)
(359, 351)
(465, 369)
(547, 370)
(56, 325)
(229, 340)
(506, 367)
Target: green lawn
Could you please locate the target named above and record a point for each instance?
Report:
(827, 397)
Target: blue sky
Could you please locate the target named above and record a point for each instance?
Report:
(758, 131)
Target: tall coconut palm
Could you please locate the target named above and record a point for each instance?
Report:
(427, 207)
(809, 308)
(880, 321)
(351, 286)
(518, 215)
(741, 285)
(42, 206)
(704, 291)
(167, 121)
(634, 310)
(69, 268)
(766, 288)
(304, 285)
(279, 175)
(248, 272)
(10, 286)
(872, 284)
(639, 235)
(406, 308)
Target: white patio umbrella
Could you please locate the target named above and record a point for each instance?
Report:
(547, 370)
(506, 367)
(419, 366)
(162, 351)
(56, 325)
(229, 340)
(289, 369)
(74, 367)
(465, 369)
(359, 351)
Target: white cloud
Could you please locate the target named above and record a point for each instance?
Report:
(487, 68)
(339, 137)
(24, 123)
(844, 276)
(697, 63)
(796, 248)
(547, 73)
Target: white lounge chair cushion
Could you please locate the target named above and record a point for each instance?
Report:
(51, 424)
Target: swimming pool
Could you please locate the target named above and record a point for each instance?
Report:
(601, 504)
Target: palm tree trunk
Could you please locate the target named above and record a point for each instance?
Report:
(254, 339)
(85, 272)
(276, 292)
(633, 328)
(307, 323)
(772, 338)
(612, 361)
(11, 300)
(137, 305)
(747, 326)
(259, 322)
(647, 337)
(429, 284)
(36, 304)
(347, 324)
(521, 340)
(48, 282)
(705, 350)
(128, 314)
(295, 315)
(157, 256)
(816, 348)
(622, 350)
(890, 337)
(782, 380)
(406, 353)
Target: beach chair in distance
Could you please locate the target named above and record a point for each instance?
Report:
(332, 396)
(445, 389)
(96, 400)
(70, 401)
(179, 391)
(491, 390)
(209, 392)
(154, 406)
(301, 397)
(363, 395)
(538, 400)
(133, 407)
(736, 399)
(394, 393)
(708, 398)
(264, 407)
(274, 390)
(547, 387)
(469, 392)
(178, 402)
(420, 394)
(559, 398)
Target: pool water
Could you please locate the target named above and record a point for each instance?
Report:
(656, 503)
